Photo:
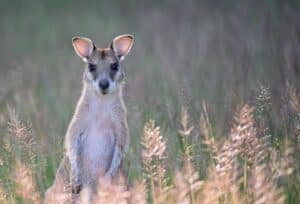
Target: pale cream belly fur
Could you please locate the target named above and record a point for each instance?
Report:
(97, 147)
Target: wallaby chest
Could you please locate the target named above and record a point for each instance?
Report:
(98, 139)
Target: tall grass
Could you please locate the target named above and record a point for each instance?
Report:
(243, 169)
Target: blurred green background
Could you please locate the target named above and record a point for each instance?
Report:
(185, 53)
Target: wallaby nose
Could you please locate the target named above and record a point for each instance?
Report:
(104, 84)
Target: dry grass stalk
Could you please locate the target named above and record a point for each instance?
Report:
(185, 133)
(153, 155)
(3, 195)
(186, 129)
(7, 145)
(205, 129)
(298, 134)
(263, 99)
(288, 163)
(190, 175)
(115, 194)
(153, 143)
(186, 186)
(138, 193)
(20, 131)
(230, 173)
(244, 137)
(246, 146)
(26, 187)
(263, 104)
(275, 164)
(224, 179)
(1, 161)
(192, 179)
(263, 189)
(214, 188)
(294, 99)
(180, 191)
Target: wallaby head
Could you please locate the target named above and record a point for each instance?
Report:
(103, 73)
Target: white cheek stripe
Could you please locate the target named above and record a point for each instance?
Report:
(90, 76)
(95, 84)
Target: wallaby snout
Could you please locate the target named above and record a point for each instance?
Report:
(103, 85)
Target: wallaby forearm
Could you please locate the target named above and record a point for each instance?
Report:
(120, 149)
(116, 161)
(73, 141)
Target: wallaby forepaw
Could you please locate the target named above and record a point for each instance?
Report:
(76, 189)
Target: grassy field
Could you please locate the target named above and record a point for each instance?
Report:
(220, 80)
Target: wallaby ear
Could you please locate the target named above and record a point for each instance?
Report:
(84, 47)
(121, 45)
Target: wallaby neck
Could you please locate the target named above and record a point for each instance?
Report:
(97, 100)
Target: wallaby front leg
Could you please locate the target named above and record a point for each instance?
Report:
(115, 163)
(73, 155)
(120, 149)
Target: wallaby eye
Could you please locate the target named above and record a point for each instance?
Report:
(114, 66)
(92, 67)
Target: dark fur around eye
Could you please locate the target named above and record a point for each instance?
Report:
(114, 66)
(92, 67)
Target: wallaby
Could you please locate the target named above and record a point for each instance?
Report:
(97, 137)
